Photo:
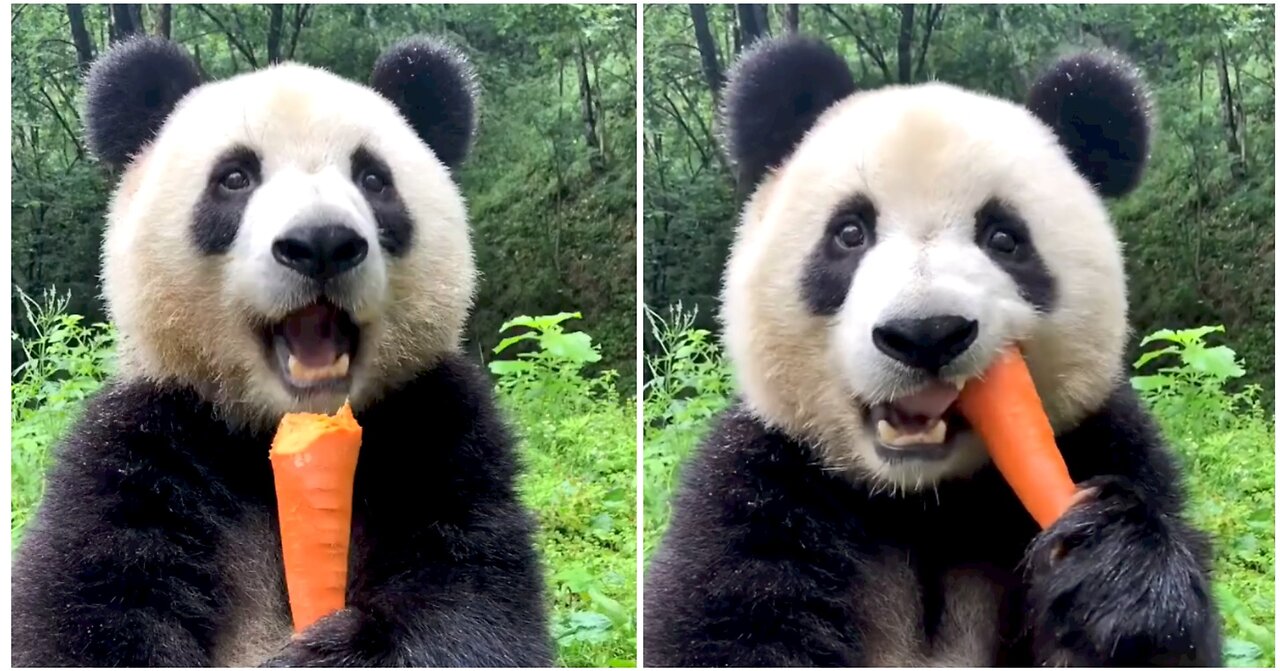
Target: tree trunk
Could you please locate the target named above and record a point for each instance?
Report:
(588, 106)
(123, 22)
(164, 26)
(906, 27)
(80, 36)
(299, 16)
(793, 18)
(754, 20)
(932, 14)
(1242, 124)
(1229, 113)
(274, 28)
(707, 50)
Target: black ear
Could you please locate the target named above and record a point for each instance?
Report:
(130, 91)
(434, 86)
(1100, 109)
(773, 95)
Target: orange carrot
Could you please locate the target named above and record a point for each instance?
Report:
(1006, 411)
(314, 461)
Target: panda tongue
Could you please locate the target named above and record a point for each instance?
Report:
(923, 408)
(311, 334)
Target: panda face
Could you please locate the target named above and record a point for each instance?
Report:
(911, 235)
(286, 242)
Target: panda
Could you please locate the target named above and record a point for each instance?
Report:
(840, 512)
(282, 241)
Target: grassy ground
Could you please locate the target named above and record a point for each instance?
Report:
(577, 446)
(1221, 436)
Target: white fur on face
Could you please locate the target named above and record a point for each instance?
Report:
(190, 318)
(928, 157)
(289, 198)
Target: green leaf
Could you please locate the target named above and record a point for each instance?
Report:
(509, 367)
(1219, 362)
(1150, 382)
(602, 522)
(507, 342)
(1240, 653)
(611, 608)
(1145, 358)
(522, 320)
(570, 346)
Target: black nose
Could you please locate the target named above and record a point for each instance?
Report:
(321, 252)
(929, 343)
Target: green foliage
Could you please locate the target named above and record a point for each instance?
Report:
(687, 385)
(1223, 440)
(67, 360)
(577, 444)
(1198, 232)
(1226, 444)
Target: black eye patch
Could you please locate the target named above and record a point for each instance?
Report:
(231, 182)
(829, 271)
(374, 179)
(1004, 237)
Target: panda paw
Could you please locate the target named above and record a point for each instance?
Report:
(338, 640)
(1118, 581)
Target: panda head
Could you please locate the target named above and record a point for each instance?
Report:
(284, 239)
(896, 240)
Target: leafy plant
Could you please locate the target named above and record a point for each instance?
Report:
(689, 384)
(579, 440)
(1197, 384)
(66, 361)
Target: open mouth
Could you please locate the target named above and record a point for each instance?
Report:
(314, 348)
(919, 426)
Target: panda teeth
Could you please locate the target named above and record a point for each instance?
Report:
(303, 373)
(888, 435)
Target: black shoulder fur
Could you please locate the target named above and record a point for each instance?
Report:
(770, 561)
(120, 566)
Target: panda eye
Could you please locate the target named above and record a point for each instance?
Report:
(1002, 241)
(373, 182)
(851, 235)
(235, 180)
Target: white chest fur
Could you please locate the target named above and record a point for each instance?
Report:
(258, 624)
(892, 610)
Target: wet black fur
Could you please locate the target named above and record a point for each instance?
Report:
(129, 93)
(133, 87)
(1100, 109)
(434, 87)
(1035, 284)
(395, 226)
(1095, 102)
(217, 216)
(773, 95)
(829, 270)
(766, 553)
(119, 566)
